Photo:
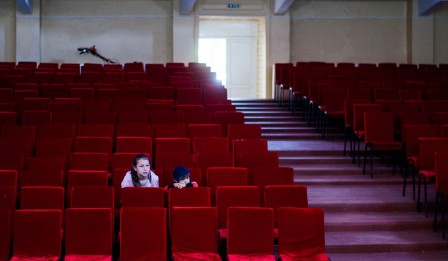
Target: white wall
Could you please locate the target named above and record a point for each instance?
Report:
(441, 35)
(127, 31)
(149, 31)
(7, 30)
(348, 31)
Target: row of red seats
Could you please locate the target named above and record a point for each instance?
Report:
(159, 72)
(88, 233)
(178, 95)
(155, 118)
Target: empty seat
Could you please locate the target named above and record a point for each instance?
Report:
(94, 144)
(103, 117)
(189, 242)
(133, 130)
(248, 145)
(89, 161)
(71, 117)
(37, 234)
(169, 130)
(163, 145)
(16, 145)
(225, 176)
(196, 117)
(92, 197)
(96, 130)
(42, 197)
(54, 146)
(254, 225)
(276, 196)
(210, 144)
(189, 96)
(6, 235)
(134, 145)
(132, 116)
(234, 196)
(173, 159)
(157, 117)
(88, 234)
(243, 131)
(35, 117)
(146, 242)
(204, 130)
(142, 197)
(204, 160)
(228, 117)
(301, 234)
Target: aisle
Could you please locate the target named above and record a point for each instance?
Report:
(365, 219)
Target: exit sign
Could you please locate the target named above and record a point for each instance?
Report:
(233, 5)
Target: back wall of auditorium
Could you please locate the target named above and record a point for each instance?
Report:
(155, 31)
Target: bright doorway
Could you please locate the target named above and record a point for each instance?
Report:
(234, 48)
(213, 52)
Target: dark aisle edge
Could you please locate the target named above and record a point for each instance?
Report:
(365, 219)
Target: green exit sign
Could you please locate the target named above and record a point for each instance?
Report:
(233, 5)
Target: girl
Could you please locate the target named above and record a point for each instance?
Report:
(140, 174)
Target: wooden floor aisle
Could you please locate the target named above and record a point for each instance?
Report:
(365, 219)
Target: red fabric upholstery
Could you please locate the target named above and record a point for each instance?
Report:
(228, 117)
(264, 176)
(134, 145)
(225, 176)
(173, 159)
(248, 145)
(243, 131)
(143, 234)
(210, 144)
(37, 234)
(8, 178)
(5, 236)
(94, 144)
(204, 130)
(169, 130)
(42, 198)
(301, 234)
(250, 233)
(92, 197)
(88, 234)
(276, 196)
(89, 161)
(133, 129)
(197, 117)
(163, 145)
(204, 160)
(142, 197)
(58, 146)
(235, 196)
(189, 197)
(8, 197)
(96, 130)
(194, 233)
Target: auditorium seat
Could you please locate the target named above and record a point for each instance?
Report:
(251, 233)
(88, 234)
(204, 130)
(37, 234)
(190, 242)
(42, 197)
(143, 242)
(234, 196)
(301, 234)
(142, 197)
(134, 145)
